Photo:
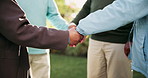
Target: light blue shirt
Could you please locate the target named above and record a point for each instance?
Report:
(119, 13)
(37, 11)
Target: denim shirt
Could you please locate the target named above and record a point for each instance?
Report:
(117, 14)
(140, 46)
(37, 11)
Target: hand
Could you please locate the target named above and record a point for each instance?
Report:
(74, 36)
(127, 48)
(83, 39)
(71, 25)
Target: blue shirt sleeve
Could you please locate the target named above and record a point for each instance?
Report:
(54, 16)
(117, 14)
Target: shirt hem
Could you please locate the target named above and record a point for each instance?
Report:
(139, 70)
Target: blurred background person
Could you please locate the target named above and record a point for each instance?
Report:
(37, 12)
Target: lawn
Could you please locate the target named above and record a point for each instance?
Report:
(67, 66)
(71, 67)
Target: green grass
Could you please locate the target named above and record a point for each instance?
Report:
(67, 66)
(138, 75)
(72, 67)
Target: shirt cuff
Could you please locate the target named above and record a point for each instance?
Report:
(80, 31)
(72, 24)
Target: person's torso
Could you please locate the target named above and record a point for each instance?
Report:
(36, 12)
(12, 59)
(99, 4)
(119, 35)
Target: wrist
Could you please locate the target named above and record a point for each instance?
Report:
(71, 24)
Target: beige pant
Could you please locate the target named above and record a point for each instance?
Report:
(107, 60)
(39, 65)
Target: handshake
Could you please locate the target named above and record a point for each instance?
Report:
(74, 36)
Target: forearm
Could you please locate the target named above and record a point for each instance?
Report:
(58, 22)
(119, 13)
(16, 28)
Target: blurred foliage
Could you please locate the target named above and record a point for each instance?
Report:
(66, 11)
(79, 50)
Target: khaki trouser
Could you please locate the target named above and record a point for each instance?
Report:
(39, 65)
(107, 60)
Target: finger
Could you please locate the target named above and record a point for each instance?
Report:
(71, 26)
(83, 40)
(72, 45)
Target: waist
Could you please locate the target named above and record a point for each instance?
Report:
(108, 37)
(37, 51)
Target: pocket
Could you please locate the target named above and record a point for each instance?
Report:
(145, 49)
(138, 53)
(127, 48)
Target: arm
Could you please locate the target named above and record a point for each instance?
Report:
(54, 16)
(119, 13)
(15, 27)
(83, 12)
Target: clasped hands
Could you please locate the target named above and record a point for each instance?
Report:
(74, 36)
